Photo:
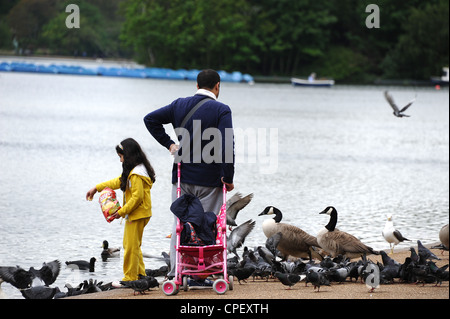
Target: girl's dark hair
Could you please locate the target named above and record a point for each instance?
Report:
(132, 156)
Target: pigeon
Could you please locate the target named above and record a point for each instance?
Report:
(391, 268)
(397, 112)
(16, 276)
(234, 205)
(288, 279)
(372, 276)
(441, 274)
(317, 279)
(141, 285)
(39, 292)
(23, 279)
(82, 264)
(238, 235)
(48, 272)
(392, 235)
(272, 243)
(242, 272)
(425, 253)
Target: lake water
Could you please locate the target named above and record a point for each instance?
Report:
(337, 146)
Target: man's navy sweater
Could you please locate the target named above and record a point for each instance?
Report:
(212, 114)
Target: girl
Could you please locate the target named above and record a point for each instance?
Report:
(136, 181)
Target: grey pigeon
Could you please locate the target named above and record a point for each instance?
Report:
(22, 279)
(237, 236)
(16, 276)
(397, 112)
(425, 253)
(39, 292)
(272, 243)
(317, 279)
(234, 205)
(141, 285)
(288, 279)
(48, 272)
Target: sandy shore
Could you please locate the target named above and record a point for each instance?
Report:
(273, 289)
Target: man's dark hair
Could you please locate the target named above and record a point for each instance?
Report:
(207, 79)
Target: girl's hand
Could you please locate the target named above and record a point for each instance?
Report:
(90, 194)
(115, 215)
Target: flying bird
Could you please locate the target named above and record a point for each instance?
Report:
(23, 279)
(235, 204)
(397, 112)
(237, 237)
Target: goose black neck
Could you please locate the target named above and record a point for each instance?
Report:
(278, 215)
(333, 221)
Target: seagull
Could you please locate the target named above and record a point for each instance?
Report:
(238, 235)
(392, 235)
(397, 112)
(235, 204)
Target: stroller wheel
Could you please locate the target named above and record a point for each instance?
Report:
(220, 286)
(231, 281)
(185, 283)
(170, 288)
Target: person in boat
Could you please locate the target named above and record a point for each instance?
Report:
(312, 77)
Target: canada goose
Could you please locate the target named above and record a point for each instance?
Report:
(392, 235)
(337, 242)
(443, 236)
(294, 241)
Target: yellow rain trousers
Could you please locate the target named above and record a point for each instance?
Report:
(137, 209)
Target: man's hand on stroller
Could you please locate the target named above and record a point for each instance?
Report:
(228, 186)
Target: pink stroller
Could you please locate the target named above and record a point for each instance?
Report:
(201, 261)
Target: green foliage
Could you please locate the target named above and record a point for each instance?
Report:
(264, 37)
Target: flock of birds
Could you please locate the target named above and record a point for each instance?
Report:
(328, 255)
(289, 254)
(35, 283)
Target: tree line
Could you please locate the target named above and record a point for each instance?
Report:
(264, 37)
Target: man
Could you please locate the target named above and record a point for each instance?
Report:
(200, 177)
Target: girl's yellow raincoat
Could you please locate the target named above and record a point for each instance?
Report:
(137, 210)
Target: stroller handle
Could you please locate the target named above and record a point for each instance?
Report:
(224, 189)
